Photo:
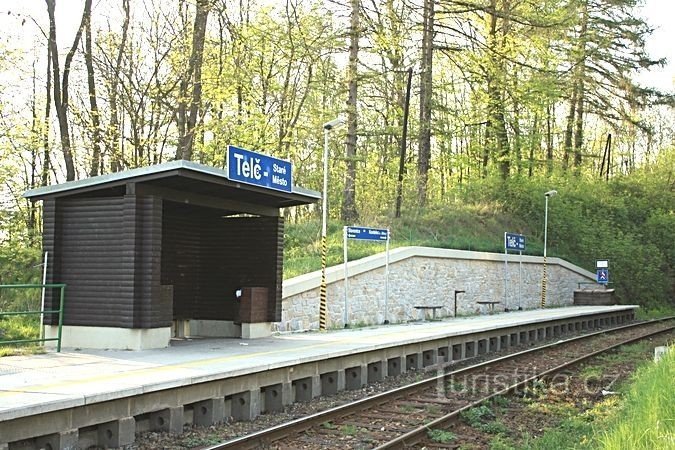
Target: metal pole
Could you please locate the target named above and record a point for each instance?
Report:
(386, 281)
(506, 269)
(324, 218)
(324, 205)
(520, 281)
(42, 300)
(344, 246)
(544, 278)
(60, 329)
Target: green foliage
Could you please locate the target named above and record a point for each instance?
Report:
(441, 436)
(475, 417)
(645, 420)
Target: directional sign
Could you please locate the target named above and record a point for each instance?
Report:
(513, 241)
(603, 276)
(367, 234)
(261, 170)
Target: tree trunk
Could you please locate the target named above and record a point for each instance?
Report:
(349, 212)
(93, 106)
(188, 121)
(569, 127)
(46, 156)
(426, 86)
(404, 144)
(114, 146)
(496, 119)
(61, 86)
(580, 74)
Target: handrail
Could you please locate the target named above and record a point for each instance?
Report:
(62, 288)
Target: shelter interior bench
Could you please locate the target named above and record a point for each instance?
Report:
(425, 308)
(491, 304)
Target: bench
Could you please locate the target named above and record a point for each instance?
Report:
(491, 304)
(426, 308)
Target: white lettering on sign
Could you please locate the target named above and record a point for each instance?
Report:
(249, 168)
(279, 169)
(276, 179)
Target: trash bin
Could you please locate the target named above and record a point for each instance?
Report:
(253, 304)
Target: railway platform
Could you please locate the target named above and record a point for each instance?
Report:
(81, 398)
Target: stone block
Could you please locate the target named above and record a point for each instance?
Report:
(329, 383)
(303, 389)
(273, 398)
(458, 352)
(394, 366)
(117, 433)
(246, 405)
(170, 420)
(354, 378)
(413, 361)
(65, 440)
(429, 358)
(208, 412)
(375, 372)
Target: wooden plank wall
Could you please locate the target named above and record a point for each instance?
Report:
(95, 262)
(206, 257)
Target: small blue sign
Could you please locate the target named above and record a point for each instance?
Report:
(367, 234)
(261, 170)
(603, 276)
(513, 241)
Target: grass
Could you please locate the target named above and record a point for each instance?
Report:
(655, 312)
(646, 419)
(459, 226)
(441, 436)
(14, 328)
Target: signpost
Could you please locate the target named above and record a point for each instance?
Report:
(515, 242)
(367, 234)
(602, 271)
(257, 169)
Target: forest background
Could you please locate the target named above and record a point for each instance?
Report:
(460, 114)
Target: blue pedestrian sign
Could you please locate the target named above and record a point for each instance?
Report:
(603, 276)
(257, 169)
(368, 234)
(513, 241)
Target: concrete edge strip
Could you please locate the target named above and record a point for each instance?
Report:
(135, 389)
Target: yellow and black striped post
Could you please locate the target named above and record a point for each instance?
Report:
(543, 287)
(322, 302)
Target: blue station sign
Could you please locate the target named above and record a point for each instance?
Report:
(367, 234)
(257, 169)
(513, 241)
(602, 276)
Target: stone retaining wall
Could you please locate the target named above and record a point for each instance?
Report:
(426, 276)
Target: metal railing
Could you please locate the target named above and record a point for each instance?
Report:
(42, 312)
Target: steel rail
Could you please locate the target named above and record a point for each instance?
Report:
(265, 437)
(419, 434)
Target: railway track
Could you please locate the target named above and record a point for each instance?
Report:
(402, 417)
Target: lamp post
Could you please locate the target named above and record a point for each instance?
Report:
(324, 217)
(543, 280)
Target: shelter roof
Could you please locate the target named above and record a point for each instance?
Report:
(177, 180)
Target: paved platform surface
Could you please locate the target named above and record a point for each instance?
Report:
(41, 383)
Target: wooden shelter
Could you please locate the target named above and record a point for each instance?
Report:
(159, 251)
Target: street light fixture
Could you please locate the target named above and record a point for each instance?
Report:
(544, 280)
(324, 216)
